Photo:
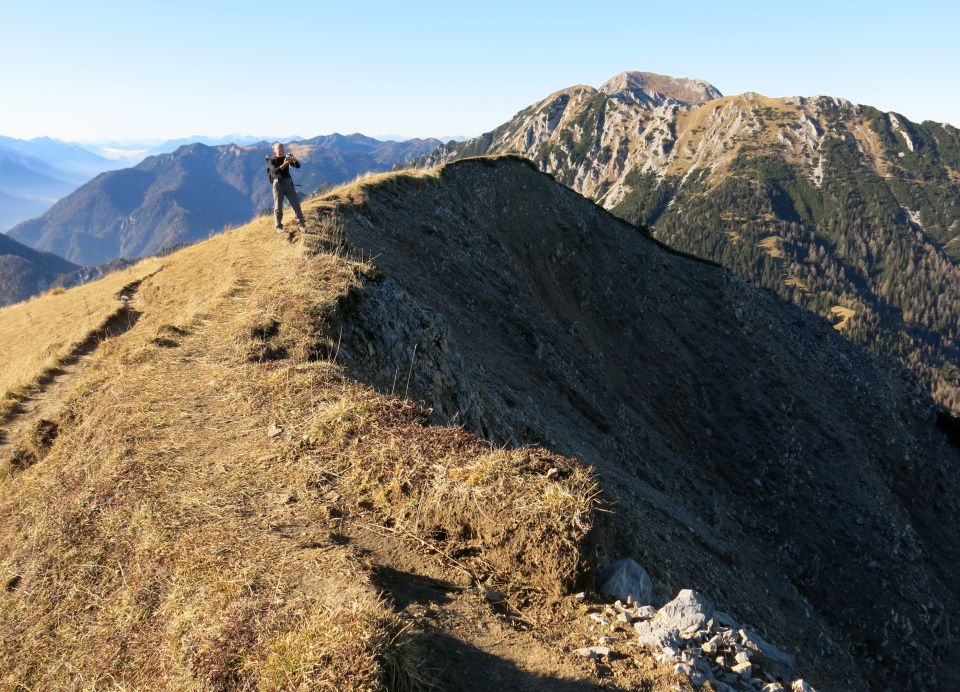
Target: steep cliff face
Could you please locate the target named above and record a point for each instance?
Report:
(837, 207)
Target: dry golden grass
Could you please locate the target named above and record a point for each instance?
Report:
(771, 244)
(844, 313)
(354, 190)
(39, 332)
(796, 283)
(181, 530)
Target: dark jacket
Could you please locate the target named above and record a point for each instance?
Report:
(274, 170)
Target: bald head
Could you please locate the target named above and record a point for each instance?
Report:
(278, 149)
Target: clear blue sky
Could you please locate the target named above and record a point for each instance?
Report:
(92, 69)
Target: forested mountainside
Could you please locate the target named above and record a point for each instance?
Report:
(25, 272)
(849, 212)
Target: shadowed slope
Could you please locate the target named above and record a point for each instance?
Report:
(829, 204)
(25, 272)
(749, 449)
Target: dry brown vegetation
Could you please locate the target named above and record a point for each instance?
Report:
(843, 313)
(182, 526)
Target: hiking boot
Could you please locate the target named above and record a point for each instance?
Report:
(278, 229)
(303, 226)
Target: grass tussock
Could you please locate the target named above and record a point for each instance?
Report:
(183, 527)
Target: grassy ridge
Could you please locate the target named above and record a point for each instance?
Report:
(182, 528)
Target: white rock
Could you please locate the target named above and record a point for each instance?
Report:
(606, 640)
(644, 612)
(773, 687)
(598, 618)
(625, 579)
(742, 657)
(592, 652)
(666, 657)
(657, 636)
(800, 685)
(688, 609)
(712, 645)
(744, 670)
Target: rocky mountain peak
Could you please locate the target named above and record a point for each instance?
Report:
(658, 88)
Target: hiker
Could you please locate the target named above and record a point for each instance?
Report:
(278, 168)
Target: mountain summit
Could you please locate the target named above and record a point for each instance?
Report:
(657, 89)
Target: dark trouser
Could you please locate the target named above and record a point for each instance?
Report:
(283, 187)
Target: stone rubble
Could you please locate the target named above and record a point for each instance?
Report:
(702, 644)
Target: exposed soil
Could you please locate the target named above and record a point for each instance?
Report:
(473, 641)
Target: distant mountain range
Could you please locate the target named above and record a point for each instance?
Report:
(36, 173)
(186, 195)
(134, 151)
(850, 212)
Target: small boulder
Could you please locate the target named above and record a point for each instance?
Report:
(644, 612)
(688, 611)
(712, 645)
(656, 636)
(593, 652)
(743, 670)
(625, 579)
(801, 685)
